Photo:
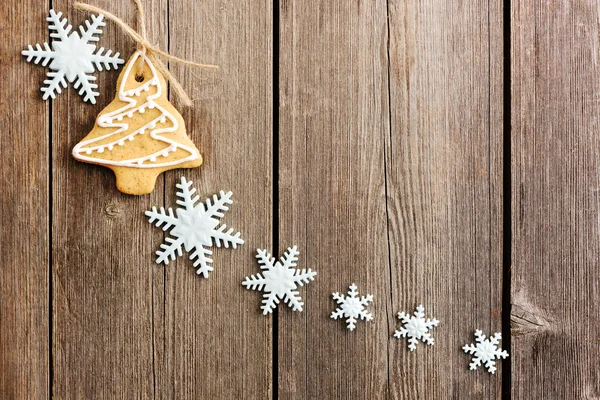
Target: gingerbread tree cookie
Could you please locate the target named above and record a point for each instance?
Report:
(139, 134)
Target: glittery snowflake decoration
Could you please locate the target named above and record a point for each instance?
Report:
(72, 57)
(416, 328)
(194, 227)
(352, 307)
(279, 280)
(485, 351)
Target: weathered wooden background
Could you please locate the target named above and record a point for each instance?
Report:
(413, 147)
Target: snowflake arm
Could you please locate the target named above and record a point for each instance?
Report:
(86, 86)
(258, 282)
(499, 353)
(364, 300)
(402, 333)
(169, 250)
(269, 303)
(216, 208)
(59, 28)
(364, 314)
(495, 339)
(265, 260)
(92, 29)
(161, 217)
(188, 202)
(339, 298)
(53, 85)
(293, 299)
(38, 54)
(352, 307)
(226, 238)
(203, 261)
(338, 313)
(105, 60)
(303, 276)
(254, 282)
(290, 258)
(351, 323)
(416, 328)
(485, 351)
(476, 361)
(404, 317)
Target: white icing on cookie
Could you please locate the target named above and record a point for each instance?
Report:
(112, 120)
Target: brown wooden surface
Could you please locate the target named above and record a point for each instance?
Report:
(443, 179)
(444, 185)
(217, 344)
(24, 211)
(386, 167)
(333, 119)
(103, 270)
(555, 165)
(140, 329)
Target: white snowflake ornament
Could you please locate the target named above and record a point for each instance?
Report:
(352, 307)
(195, 227)
(416, 328)
(72, 57)
(279, 280)
(485, 351)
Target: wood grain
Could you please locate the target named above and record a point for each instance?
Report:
(103, 247)
(217, 344)
(444, 181)
(437, 126)
(555, 202)
(333, 119)
(24, 214)
(390, 176)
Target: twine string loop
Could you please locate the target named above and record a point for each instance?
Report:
(144, 45)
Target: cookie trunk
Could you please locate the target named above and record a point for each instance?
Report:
(136, 181)
(140, 181)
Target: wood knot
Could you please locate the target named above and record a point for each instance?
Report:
(112, 210)
(525, 319)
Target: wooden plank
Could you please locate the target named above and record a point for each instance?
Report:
(217, 345)
(333, 120)
(24, 176)
(103, 247)
(555, 164)
(444, 175)
(443, 155)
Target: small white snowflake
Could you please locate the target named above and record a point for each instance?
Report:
(195, 227)
(73, 57)
(416, 328)
(485, 351)
(352, 307)
(279, 279)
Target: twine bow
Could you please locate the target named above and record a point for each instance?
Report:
(151, 51)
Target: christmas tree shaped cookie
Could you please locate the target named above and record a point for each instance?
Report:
(139, 134)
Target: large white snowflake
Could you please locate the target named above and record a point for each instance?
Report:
(352, 307)
(279, 280)
(416, 328)
(195, 227)
(485, 351)
(72, 57)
